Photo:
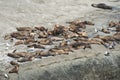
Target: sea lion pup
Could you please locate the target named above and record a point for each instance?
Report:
(15, 69)
(102, 6)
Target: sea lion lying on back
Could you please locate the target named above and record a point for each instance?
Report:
(102, 5)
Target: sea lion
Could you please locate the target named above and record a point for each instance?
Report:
(107, 38)
(27, 41)
(58, 29)
(24, 59)
(18, 54)
(22, 54)
(116, 36)
(87, 46)
(19, 42)
(22, 35)
(102, 6)
(7, 36)
(74, 22)
(13, 55)
(95, 41)
(82, 34)
(81, 25)
(77, 45)
(55, 38)
(63, 43)
(14, 63)
(41, 28)
(88, 23)
(58, 51)
(32, 35)
(44, 53)
(70, 35)
(44, 41)
(118, 28)
(74, 28)
(112, 24)
(15, 69)
(105, 31)
(36, 46)
(42, 34)
(24, 29)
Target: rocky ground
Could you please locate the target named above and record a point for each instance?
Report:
(33, 13)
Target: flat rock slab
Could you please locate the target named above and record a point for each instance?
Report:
(80, 65)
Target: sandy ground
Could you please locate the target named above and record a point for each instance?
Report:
(17, 13)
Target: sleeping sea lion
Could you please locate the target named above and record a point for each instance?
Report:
(102, 6)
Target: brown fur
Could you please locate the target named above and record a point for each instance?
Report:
(14, 70)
